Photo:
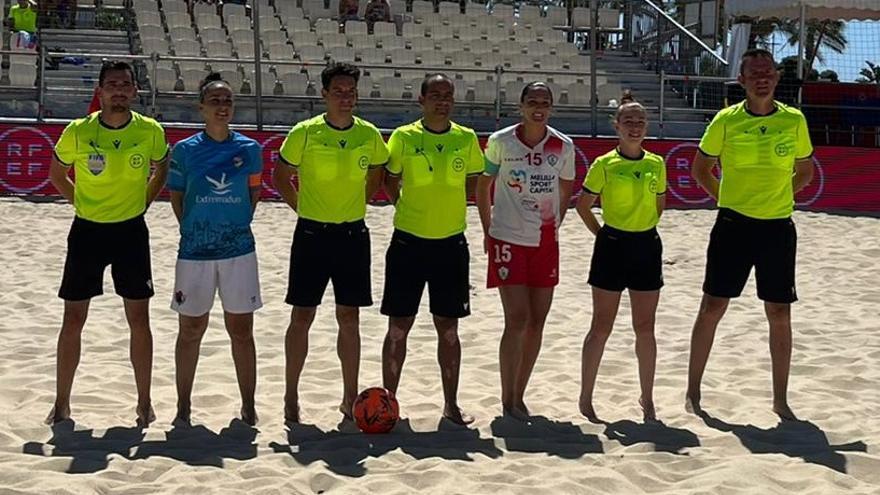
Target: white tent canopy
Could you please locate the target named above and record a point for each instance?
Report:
(815, 9)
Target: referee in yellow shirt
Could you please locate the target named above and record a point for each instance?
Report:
(433, 165)
(338, 158)
(764, 150)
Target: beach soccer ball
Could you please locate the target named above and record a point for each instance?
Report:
(376, 410)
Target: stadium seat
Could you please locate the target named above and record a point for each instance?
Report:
(187, 48)
(529, 14)
(365, 86)
(402, 56)
(442, 33)
(523, 34)
(511, 48)
(491, 60)
(389, 43)
(182, 33)
(174, 6)
(210, 34)
(432, 58)
(551, 62)
(447, 9)
(204, 8)
(326, 26)
(556, 16)
(609, 18)
(192, 79)
(379, 73)
(607, 92)
(289, 9)
(580, 17)
(567, 50)
(384, 28)
(177, 19)
(412, 30)
(155, 46)
(579, 64)
(422, 44)
(237, 22)
(270, 38)
(295, 83)
(165, 79)
(430, 20)
(333, 40)
(373, 57)
(420, 8)
(208, 21)
(303, 38)
(512, 90)
(463, 59)
(341, 54)
(283, 69)
(298, 25)
(148, 17)
(462, 90)
(23, 75)
(234, 79)
(353, 28)
(360, 41)
(280, 52)
(497, 34)
(537, 49)
(391, 88)
(484, 91)
(218, 49)
(151, 32)
(240, 36)
(578, 94)
(311, 53)
(224, 67)
(521, 61)
(232, 9)
(502, 10)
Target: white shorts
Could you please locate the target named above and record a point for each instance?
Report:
(237, 280)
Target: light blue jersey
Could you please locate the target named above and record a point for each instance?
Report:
(216, 179)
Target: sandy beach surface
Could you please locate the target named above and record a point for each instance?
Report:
(740, 447)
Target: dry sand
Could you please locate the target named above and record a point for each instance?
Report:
(741, 448)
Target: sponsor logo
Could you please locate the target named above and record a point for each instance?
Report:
(516, 180)
(25, 153)
(342, 143)
(763, 129)
(220, 188)
(439, 148)
(116, 143)
(137, 160)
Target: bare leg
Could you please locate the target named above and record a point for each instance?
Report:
(186, 358)
(711, 310)
(779, 317)
(515, 300)
(240, 328)
(296, 348)
(67, 358)
(137, 312)
(605, 304)
(644, 311)
(348, 348)
(394, 350)
(449, 357)
(539, 302)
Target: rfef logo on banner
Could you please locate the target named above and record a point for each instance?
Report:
(25, 154)
(678, 176)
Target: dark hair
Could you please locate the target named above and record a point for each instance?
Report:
(754, 53)
(109, 65)
(339, 69)
(627, 101)
(533, 85)
(434, 75)
(212, 81)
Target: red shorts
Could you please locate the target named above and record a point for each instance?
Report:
(513, 264)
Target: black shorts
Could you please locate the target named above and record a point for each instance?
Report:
(738, 243)
(443, 264)
(627, 260)
(322, 252)
(91, 246)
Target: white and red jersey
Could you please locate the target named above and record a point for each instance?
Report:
(527, 183)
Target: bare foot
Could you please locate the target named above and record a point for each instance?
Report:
(57, 414)
(291, 412)
(183, 416)
(692, 403)
(586, 408)
(249, 415)
(648, 412)
(456, 415)
(784, 412)
(345, 409)
(145, 415)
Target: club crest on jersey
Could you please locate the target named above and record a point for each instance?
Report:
(237, 161)
(552, 159)
(503, 272)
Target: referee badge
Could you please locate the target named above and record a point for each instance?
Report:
(458, 164)
(363, 162)
(96, 163)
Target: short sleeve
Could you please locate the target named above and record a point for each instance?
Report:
(66, 147)
(661, 186)
(292, 148)
(803, 147)
(713, 138)
(492, 155)
(567, 171)
(395, 153)
(475, 156)
(160, 144)
(177, 168)
(380, 151)
(595, 180)
(255, 155)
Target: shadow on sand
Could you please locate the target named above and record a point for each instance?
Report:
(801, 439)
(194, 445)
(539, 434)
(664, 438)
(343, 450)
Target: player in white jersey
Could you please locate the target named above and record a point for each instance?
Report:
(532, 167)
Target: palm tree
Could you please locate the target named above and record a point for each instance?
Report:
(821, 34)
(870, 74)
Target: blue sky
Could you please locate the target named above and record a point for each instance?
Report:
(864, 44)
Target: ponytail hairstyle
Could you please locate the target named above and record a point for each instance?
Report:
(534, 85)
(212, 81)
(628, 102)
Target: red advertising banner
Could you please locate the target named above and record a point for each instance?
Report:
(846, 179)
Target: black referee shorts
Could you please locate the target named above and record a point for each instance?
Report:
(738, 243)
(626, 260)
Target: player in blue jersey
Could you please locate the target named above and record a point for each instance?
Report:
(215, 185)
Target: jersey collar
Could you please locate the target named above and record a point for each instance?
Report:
(516, 132)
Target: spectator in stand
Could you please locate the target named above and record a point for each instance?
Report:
(377, 11)
(348, 10)
(23, 17)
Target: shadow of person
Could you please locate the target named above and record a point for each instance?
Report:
(664, 438)
(792, 438)
(199, 446)
(88, 453)
(539, 434)
(344, 452)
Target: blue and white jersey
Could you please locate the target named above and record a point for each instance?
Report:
(216, 179)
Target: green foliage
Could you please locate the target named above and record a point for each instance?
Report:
(870, 74)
